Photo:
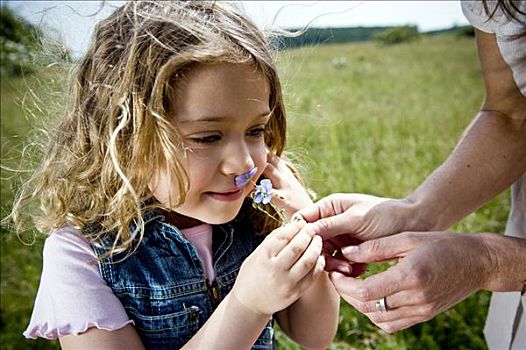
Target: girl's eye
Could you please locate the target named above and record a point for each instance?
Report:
(257, 132)
(206, 139)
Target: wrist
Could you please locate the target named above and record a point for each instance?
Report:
(505, 262)
(486, 258)
(246, 305)
(407, 215)
(419, 215)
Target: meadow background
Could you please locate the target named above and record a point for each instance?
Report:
(362, 117)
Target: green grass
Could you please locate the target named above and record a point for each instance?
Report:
(362, 118)
(20, 264)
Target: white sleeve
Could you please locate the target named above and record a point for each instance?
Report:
(476, 15)
(72, 295)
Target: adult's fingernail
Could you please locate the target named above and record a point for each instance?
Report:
(343, 269)
(350, 250)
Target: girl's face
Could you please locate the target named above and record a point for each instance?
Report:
(221, 111)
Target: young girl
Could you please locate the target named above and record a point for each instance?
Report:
(154, 243)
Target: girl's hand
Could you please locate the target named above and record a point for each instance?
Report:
(280, 269)
(290, 196)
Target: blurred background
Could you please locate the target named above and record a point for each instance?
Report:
(377, 95)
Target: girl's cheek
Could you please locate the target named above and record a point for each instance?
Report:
(164, 188)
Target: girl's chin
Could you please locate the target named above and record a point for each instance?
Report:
(216, 214)
(220, 217)
(218, 220)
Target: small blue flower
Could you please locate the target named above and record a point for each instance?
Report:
(263, 193)
(243, 179)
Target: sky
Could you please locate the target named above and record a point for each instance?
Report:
(73, 21)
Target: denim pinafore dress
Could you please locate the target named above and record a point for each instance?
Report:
(163, 287)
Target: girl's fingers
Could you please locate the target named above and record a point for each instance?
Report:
(274, 160)
(296, 247)
(279, 199)
(315, 273)
(272, 173)
(278, 239)
(308, 260)
(280, 164)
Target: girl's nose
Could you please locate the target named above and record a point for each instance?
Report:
(237, 161)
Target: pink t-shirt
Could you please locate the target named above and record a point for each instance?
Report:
(73, 296)
(201, 237)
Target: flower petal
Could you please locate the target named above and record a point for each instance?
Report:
(243, 179)
(252, 172)
(259, 197)
(239, 181)
(266, 199)
(266, 184)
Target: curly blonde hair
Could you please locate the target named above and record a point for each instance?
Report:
(101, 153)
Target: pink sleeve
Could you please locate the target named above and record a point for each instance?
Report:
(72, 295)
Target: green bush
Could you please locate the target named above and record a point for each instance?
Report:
(468, 31)
(24, 47)
(398, 35)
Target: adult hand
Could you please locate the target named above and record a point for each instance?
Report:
(436, 270)
(280, 269)
(362, 216)
(334, 259)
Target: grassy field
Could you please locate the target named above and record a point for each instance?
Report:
(362, 118)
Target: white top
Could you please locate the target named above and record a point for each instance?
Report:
(506, 325)
(73, 296)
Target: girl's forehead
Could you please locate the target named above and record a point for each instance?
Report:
(215, 92)
(221, 73)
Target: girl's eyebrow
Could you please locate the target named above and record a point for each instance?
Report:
(218, 119)
(203, 119)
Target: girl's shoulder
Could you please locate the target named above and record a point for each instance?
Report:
(72, 295)
(68, 243)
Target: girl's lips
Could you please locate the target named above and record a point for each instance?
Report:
(226, 196)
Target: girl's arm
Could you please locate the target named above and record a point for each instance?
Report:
(125, 338)
(231, 326)
(312, 321)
